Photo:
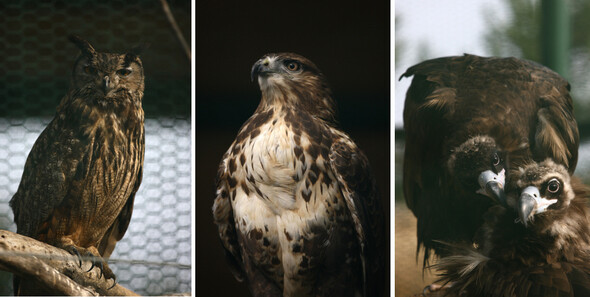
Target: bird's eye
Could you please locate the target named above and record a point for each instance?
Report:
(292, 65)
(553, 186)
(495, 159)
(90, 70)
(124, 71)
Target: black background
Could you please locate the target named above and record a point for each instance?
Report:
(348, 41)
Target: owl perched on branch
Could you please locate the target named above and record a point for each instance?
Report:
(81, 176)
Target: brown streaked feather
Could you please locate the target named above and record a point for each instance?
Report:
(351, 168)
(296, 205)
(81, 176)
(224, 219)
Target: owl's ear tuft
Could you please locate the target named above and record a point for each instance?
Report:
(134, 52)
(138, 49)
(84, 46)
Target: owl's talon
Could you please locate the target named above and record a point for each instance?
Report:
(92, 261)
(99, 262)
(95, 261)
(74, 251)
(114, 283)
(101, 267)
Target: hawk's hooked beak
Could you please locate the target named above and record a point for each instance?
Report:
(261, 66)
(492, 185)
(531, 203)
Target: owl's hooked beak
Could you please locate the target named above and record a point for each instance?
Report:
(106, 85)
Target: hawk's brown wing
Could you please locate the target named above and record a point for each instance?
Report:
(356, 180)
(223, 217)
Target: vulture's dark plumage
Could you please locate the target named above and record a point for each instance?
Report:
(540, 246)
(457, 105)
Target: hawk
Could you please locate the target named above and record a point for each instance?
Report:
(525, 108)
(296, 205)
(539, 246)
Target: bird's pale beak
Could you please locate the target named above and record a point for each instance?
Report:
(531, 203)
(106, 84)
(255, 70)
(492, 185)
(261, 66)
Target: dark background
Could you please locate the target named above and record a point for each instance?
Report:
(348, 41)
(36, 58)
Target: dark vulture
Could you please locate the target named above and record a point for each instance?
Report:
(540, 246)
(458, 104)
(296, 207)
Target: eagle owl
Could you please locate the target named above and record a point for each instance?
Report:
(81, 176)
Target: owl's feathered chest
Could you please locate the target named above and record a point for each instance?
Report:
(110, 148)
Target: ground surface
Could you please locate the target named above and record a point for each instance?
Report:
(408, 270)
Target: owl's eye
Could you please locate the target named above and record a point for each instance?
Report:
(124, 72)
(292, 65)
(90, 70)
(553, 186)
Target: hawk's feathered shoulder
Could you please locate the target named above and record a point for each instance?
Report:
(352, 169)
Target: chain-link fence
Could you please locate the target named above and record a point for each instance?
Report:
(36, 61)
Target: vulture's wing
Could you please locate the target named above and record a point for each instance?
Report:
(429, 104)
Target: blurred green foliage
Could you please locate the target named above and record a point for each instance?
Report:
(520, 37)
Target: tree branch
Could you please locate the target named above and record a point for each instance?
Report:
(53, 268)
(176, 29)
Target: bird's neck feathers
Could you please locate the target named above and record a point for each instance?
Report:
(554, 235)
(312, 97)
(126, 107)
(120, 120)
(571, 227)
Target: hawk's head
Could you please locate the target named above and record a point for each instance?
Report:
(292, 80)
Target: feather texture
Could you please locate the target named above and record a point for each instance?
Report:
(524, 107)
(297, 207)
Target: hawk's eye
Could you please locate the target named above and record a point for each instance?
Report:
(553, 186)
(90, 70)
(495, 159)
(292, 65)
(124, 71)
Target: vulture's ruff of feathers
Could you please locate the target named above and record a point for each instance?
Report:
(549, 256)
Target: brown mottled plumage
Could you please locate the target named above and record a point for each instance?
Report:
(541, 252)
(524, 107)
(297, 207)
(81, 176)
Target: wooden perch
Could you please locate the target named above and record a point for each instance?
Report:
(54, 268)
